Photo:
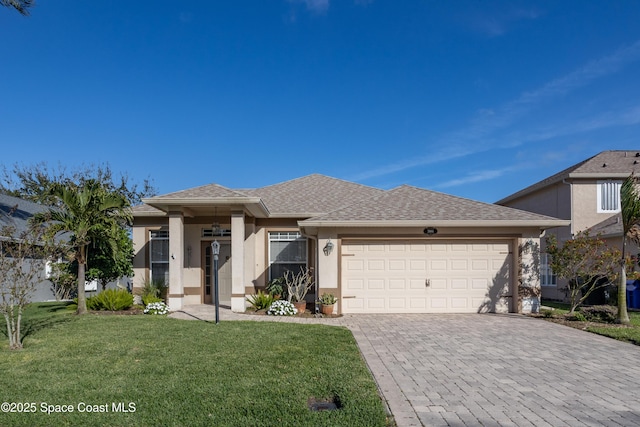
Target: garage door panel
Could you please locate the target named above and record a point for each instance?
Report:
(418, 303)
(480, 265)
(375, 303)
(459, 264)
(438, 265)
(395, 303)
(354, 265)
(459, 303)
(481, 284)
(375, 284)
(354, 284)
(375, 264)
(461, 284)
(397, 283)
(438, 284)
(418, 265)
(417, 284)
(390, 276)
(438, 303)
(397, 264)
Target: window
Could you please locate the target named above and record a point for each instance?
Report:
(287, 251)
(609, 196)
(547, 276)
(159, 255)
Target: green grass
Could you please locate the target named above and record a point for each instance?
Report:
(629, 333)
(185, 373)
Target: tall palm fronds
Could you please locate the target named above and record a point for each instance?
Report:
(87, 213)
(630, 207)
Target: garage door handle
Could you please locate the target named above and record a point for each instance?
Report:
(427, 283)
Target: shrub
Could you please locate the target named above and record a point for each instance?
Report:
(150, 299)
(276, 286)
(600, 313)
(576, 316)
(328, 299)
(159, 308)
(261, 301)
(111, 300)
(282, 308)
(546, 312)
(153, 288)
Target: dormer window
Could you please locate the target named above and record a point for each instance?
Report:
(609, 196)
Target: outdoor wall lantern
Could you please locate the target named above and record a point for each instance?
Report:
(328, 248)
(430, 231)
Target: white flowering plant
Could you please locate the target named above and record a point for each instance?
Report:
(282, 308)
(156, 308)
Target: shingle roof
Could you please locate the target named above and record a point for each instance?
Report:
(611, 226)
(312, 195)
(607, 164)
(16, 212)
(203, 192)
(407, 203)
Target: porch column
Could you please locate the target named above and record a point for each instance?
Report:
(237, 261)
(176, 260)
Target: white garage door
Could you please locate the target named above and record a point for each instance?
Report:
(425, 277)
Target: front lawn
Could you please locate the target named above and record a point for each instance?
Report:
(630, 333)
(118, 370)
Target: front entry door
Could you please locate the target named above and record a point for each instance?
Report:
(224, 274)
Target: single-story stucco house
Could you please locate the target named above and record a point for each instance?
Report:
(404, 250)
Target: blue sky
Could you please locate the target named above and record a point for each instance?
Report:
(473, 98)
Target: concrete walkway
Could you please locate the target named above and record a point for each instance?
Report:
(488, 370)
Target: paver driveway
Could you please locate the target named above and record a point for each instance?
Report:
(492, 370)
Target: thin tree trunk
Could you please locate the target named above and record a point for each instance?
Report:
(623, 315)
(9, 331)
(82, 299)
(18, 340)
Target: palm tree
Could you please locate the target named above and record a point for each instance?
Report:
(21, 6)
(88, 213)
(630, 206)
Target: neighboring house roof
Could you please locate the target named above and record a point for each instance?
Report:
(16, 212)
(410, 206)
(612, 164)
(610, 227)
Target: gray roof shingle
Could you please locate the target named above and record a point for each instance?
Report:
(407, 203)
(607, 164)
(312, 195)
(16, 212)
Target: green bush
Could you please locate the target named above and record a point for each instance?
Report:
(153, 288)
(600, 313)
(576, 316)
(276, 287)
(546, 312)
(150, 299)
(261, 301)
(111, 300)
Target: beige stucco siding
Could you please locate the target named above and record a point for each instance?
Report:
(585, 206)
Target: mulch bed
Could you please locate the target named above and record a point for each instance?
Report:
(306, 314)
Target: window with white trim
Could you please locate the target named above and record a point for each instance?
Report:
(547, 276)
(159, 255)
(287, 251)
(609, 196)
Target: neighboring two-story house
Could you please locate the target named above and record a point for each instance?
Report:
(587, 194)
